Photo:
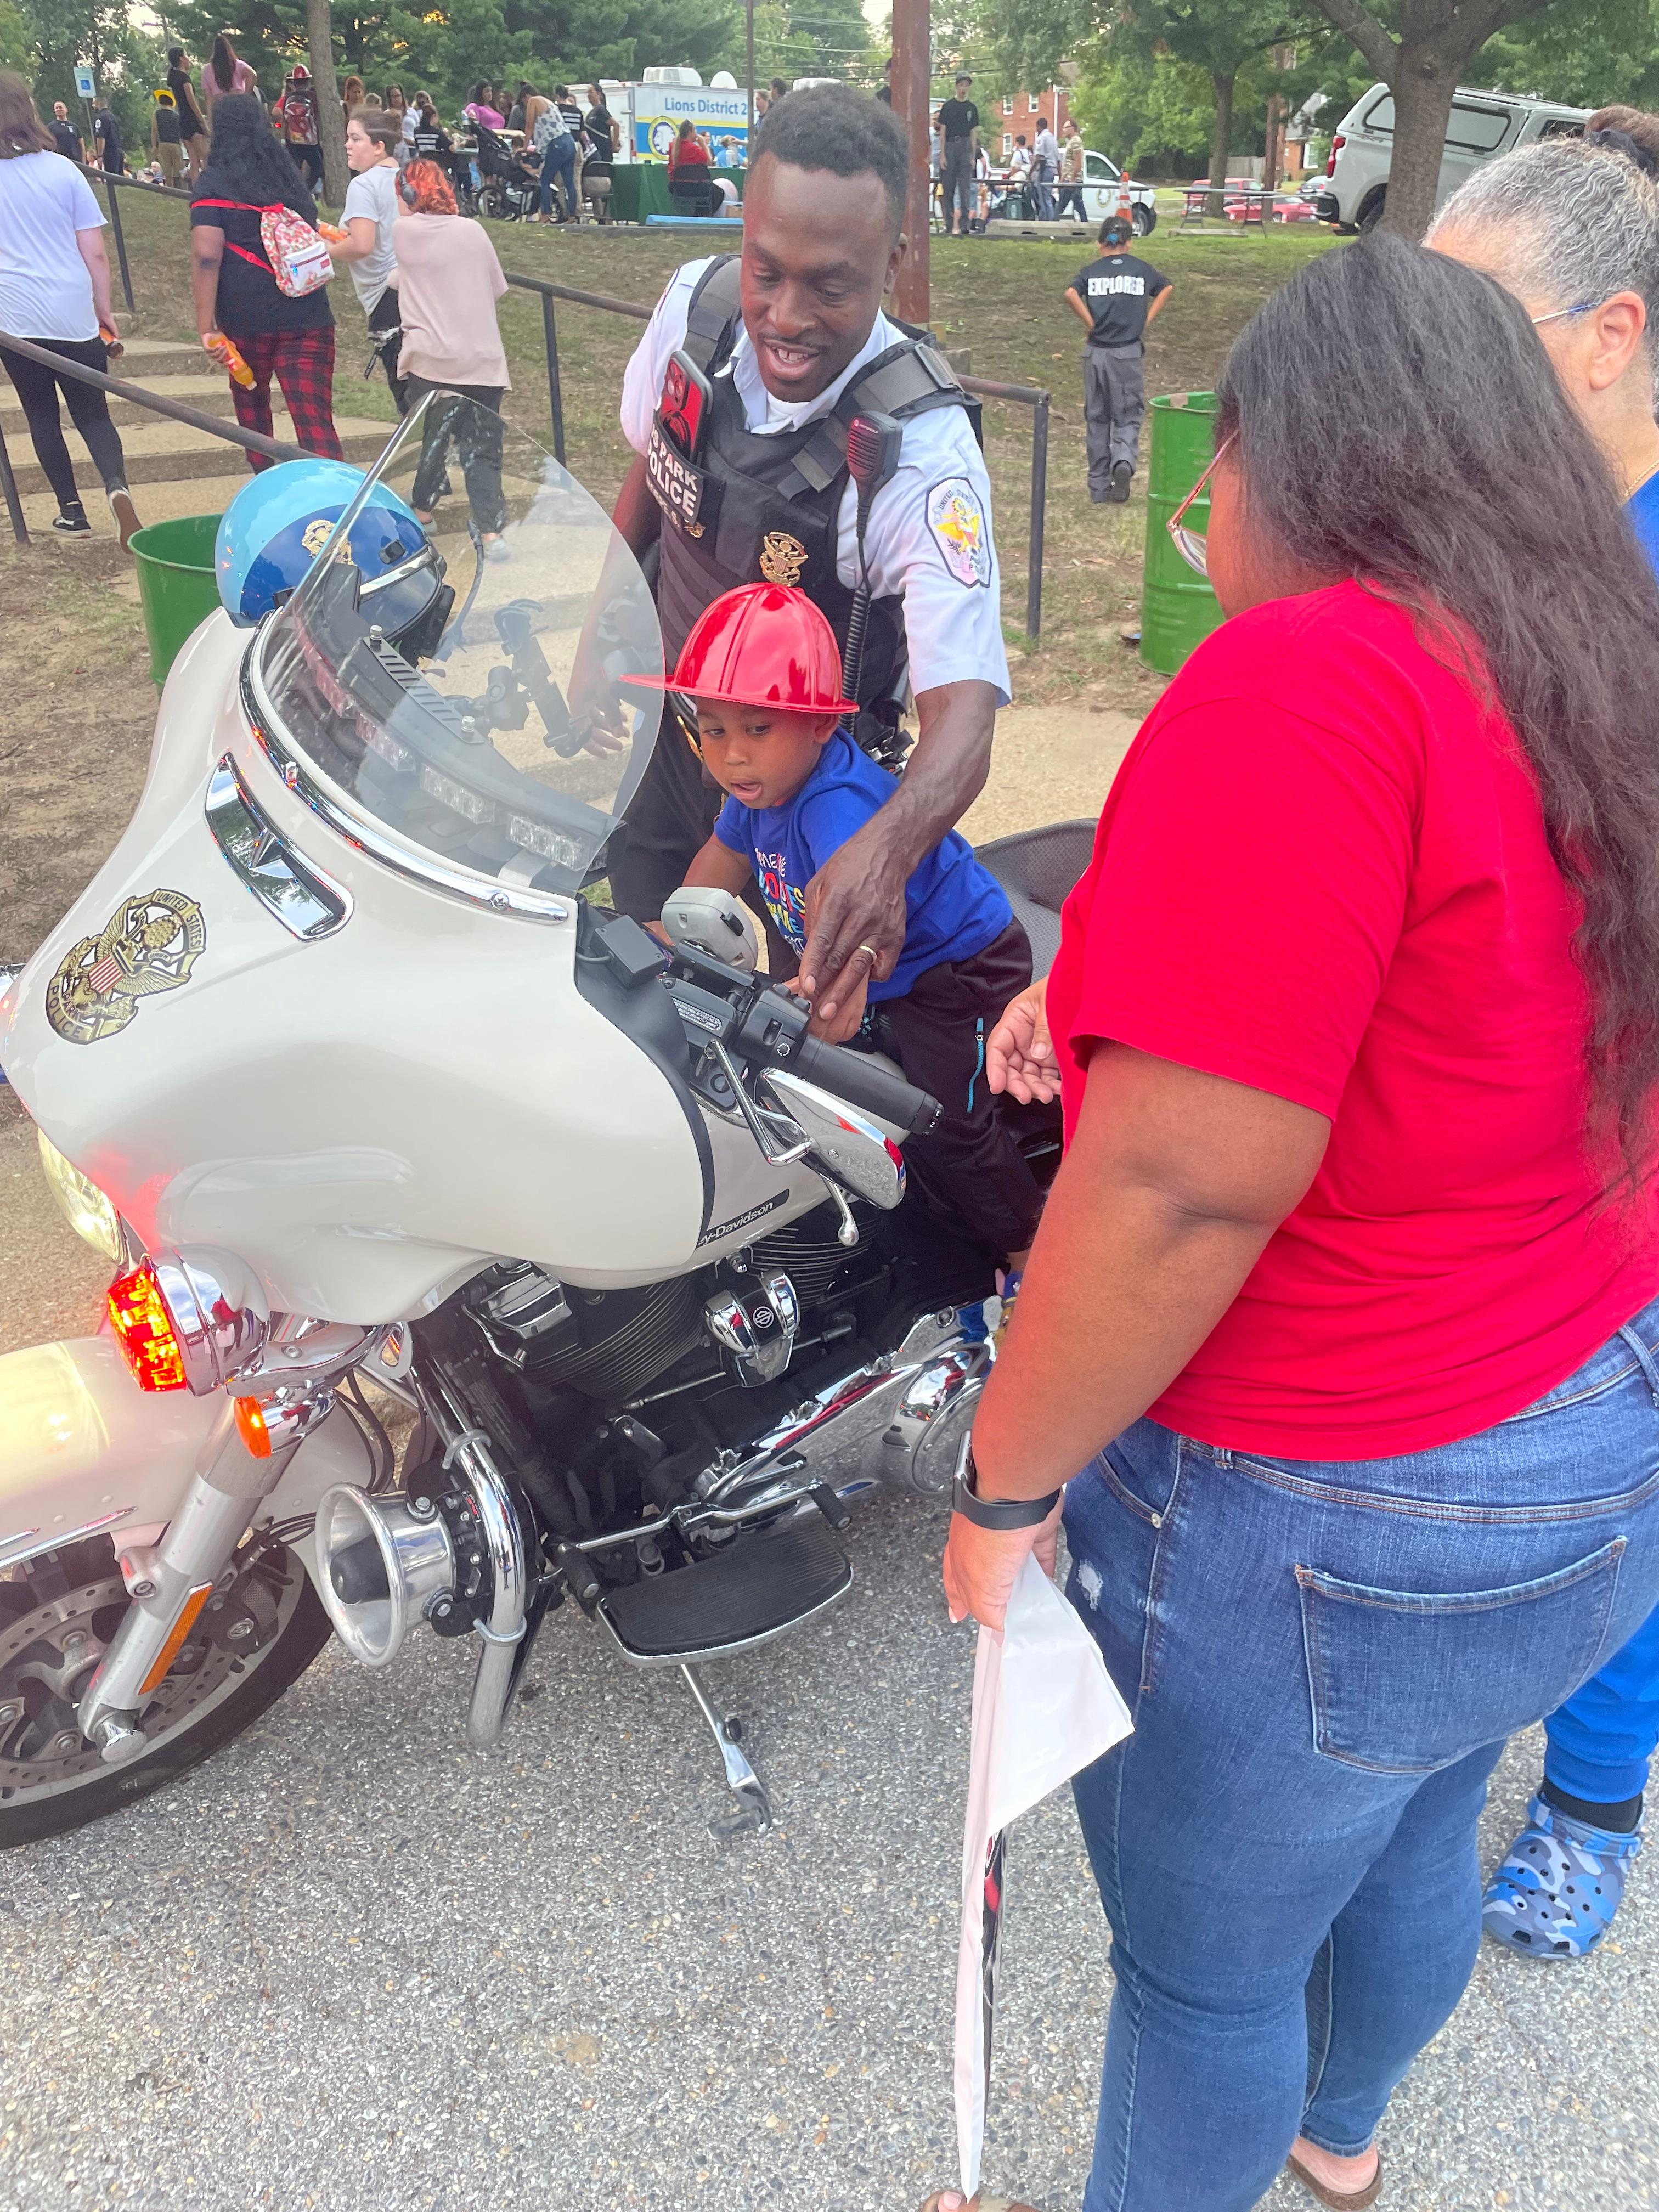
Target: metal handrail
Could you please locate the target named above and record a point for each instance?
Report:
(1019, 395)
(252, 441)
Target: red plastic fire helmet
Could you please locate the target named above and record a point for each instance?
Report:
(762, 645)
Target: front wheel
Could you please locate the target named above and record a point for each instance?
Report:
(1143, 220)
(1372, 214)
(58, 1616)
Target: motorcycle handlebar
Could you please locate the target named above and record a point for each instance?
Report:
(863, 1081)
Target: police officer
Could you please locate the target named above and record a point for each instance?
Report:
(736, 403)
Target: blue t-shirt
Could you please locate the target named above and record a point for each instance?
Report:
(1643, 508)
(954, 908)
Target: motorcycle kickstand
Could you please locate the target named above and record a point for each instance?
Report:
(741, 1779)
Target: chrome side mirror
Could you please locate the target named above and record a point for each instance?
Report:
(847, 1142)
(715, 923)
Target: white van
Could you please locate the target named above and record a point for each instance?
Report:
(1483, 124)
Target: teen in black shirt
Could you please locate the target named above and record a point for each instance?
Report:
(956, 122)
(1116, 297)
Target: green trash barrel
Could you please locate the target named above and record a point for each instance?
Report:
(177, 587)
(1178, 609)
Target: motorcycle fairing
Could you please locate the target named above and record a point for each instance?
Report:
(83, 1449)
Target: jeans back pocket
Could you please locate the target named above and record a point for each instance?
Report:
(1404, 1681)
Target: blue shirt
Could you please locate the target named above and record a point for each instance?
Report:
(953, 906)
(1643, 508)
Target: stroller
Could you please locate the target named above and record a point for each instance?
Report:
(508, 187)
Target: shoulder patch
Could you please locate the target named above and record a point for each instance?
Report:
(956, 523)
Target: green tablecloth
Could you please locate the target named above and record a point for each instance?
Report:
(640, 188)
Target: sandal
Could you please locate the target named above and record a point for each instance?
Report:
(1559, 1886)
(1351, 2200)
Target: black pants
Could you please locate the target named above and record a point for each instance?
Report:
(308, 160)
(969, 1167)
(386, 328)
(475, 434)
(1073, 193)
(958, 181)
(38, 388)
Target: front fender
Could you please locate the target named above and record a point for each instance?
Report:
(82, 1449)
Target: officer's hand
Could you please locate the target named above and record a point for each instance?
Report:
(854, 922)
(1019, 1053)
(844, 1023)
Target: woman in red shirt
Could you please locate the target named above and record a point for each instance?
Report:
(1347, 1285)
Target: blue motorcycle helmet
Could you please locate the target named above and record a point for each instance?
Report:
(282, 519)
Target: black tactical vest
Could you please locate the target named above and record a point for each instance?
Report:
(769, 507)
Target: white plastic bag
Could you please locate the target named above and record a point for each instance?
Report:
(1044, 1708)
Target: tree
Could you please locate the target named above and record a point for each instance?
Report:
(325, 87)
(1421, 61)
(57, 35)
(16, 49)
(1585, 54)
(1217, 36)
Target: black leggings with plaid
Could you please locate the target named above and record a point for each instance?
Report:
(302, 362)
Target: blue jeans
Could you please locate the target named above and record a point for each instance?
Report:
(1323, 1661)
(560, 160)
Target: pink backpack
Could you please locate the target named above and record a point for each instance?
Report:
(294, 254)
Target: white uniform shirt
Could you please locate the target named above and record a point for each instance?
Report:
(928, 539)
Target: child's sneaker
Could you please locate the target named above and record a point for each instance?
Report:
(72, 522)
(1555, 1894)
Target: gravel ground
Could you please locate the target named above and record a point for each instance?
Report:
(347, 1966)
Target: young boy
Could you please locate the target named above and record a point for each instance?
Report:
(1116, 297)
(762, 666)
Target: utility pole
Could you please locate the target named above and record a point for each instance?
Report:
(750, 142)
(331, 119)
(911, 101)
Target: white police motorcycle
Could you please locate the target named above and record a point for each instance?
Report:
(352, 1080)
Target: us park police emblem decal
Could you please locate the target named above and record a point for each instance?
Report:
(151, 944)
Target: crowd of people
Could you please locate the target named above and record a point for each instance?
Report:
(1335, 1341)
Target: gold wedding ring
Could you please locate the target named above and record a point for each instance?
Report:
(875, 957)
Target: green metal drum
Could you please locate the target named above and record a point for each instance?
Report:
(177, 586)
(1178, 609)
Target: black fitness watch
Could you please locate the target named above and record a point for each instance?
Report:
(1002, 1514)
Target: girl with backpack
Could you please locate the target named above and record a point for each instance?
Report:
(259, 272)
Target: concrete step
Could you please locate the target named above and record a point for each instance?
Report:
(160, 451)
(146, 358)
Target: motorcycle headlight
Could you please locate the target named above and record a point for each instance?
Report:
(86, 1209)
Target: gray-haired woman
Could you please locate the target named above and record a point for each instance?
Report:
(1571, 229)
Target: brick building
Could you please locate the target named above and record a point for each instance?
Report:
(1003, 120)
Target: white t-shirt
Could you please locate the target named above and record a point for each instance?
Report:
(929, 538)
(372, 194)
(45, 291)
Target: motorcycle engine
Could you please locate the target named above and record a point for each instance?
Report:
(601, 1343)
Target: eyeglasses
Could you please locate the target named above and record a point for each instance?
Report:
(1584, 308)
(1192, 544)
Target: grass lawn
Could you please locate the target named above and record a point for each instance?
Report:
(1000, 298)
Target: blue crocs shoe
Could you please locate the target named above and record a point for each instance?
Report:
(1555, 1894)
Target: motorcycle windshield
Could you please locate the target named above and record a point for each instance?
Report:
(469, 702)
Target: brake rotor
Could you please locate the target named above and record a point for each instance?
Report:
(47, 1656)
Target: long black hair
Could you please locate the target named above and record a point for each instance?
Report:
(1399, 422)
(246, 160)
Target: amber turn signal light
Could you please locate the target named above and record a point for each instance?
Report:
(250, 1427)
(143, 1329)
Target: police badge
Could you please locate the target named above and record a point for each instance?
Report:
(152, 942)
(783, 558)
